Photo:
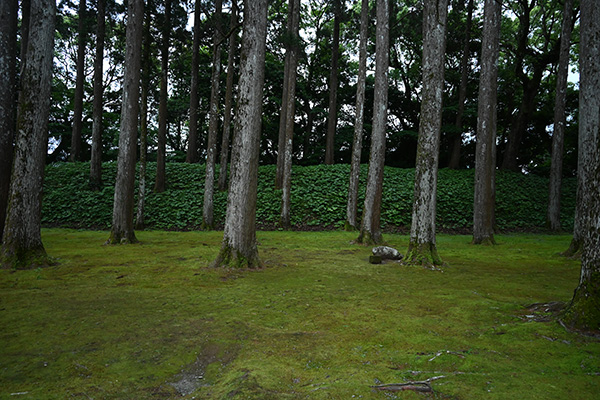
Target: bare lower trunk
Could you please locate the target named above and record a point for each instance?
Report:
(161, 154)
(192, 149)
(22, 241)
(96, 157)
(333, 87)
(281, 142)
(139, 219)
(239, 239)
(78, 100)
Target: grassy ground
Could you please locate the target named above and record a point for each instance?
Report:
(151, 321)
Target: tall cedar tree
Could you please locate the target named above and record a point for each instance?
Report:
(558, 132)
(422, 247)
(227, 111)
(160, 182)
(22, 240)
(8, 92)
(239, 239)
(352, 205)
(76, 135)
(96, 156)
(192, 149)
(370, 230)
(333, 85)
(584, 311)
(208, 221)
(122, 224)
(485, 152)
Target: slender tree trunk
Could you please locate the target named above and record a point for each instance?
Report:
(584, 313)
(96, 157)
(422, 247)
(22, 240)
(213, 125)
(192, 149)
(78, 100)
(333, 87)
(290, 103)
(485, 153)
(122, 224)
(284, 108)
(239, 239)
(462, 92)
(553, 215)
(8, 94)
(370, 230)
(352, 205)
(160, 182)
(228, 99)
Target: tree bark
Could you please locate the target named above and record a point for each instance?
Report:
(352, 205)
(192, 149)
(8, 95)
(96, 157)
(553, 215)
(160, 182)
(228, 99)
(281, 142)
(76, 136)
(22, 241)
(584, 312)
(213, 125)
(122, 224)
(485, 151)
(25, 21)
(422, 247)
(370, 231)
(239, 239)
(333, 86)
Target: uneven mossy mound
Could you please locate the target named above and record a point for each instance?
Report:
(319, 196)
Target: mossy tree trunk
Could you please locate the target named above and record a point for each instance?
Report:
(8, 92)
(370, 230)
(122, 224)
(584, 311)
(333, 85)
(422, 246)
(192, 149)
(22, 240)
(239, 247)
(213, 124)
(96, 156)
(352, 204)
(485, 152)
(78, 98)
(161, 153)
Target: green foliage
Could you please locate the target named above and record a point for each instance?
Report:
(318, 198)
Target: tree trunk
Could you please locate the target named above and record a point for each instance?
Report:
(96, 157)
(281, 142)
(25, 21)
(290, 105)
(352, 205)
(192, 149)
(422, 247)
(228, 99)
(239, 239)
(553, 215)
(584, 313)
(160, 183)
(78, 100)
(22, 240)
(370, 231)
(122, 224)
(454, 162)
(213, 124)
(333, 86)
(8, 94)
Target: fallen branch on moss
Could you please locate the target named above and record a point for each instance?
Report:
(417, 386)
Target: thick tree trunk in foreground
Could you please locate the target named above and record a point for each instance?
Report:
(78, 99)
(239, 239)
(352, 205)
(333, 87)
(161, 154)
(584, 311)
(553, 215)
(370, 230)
(8, 93)
(422, 247)
(192, 149)
(96, 157)
(208, 221)
(122, 224)
(485, 151)
(228, 99)
(22, 241)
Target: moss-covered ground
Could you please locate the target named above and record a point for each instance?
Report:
(152, 321)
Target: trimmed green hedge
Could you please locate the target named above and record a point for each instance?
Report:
(318, 198)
